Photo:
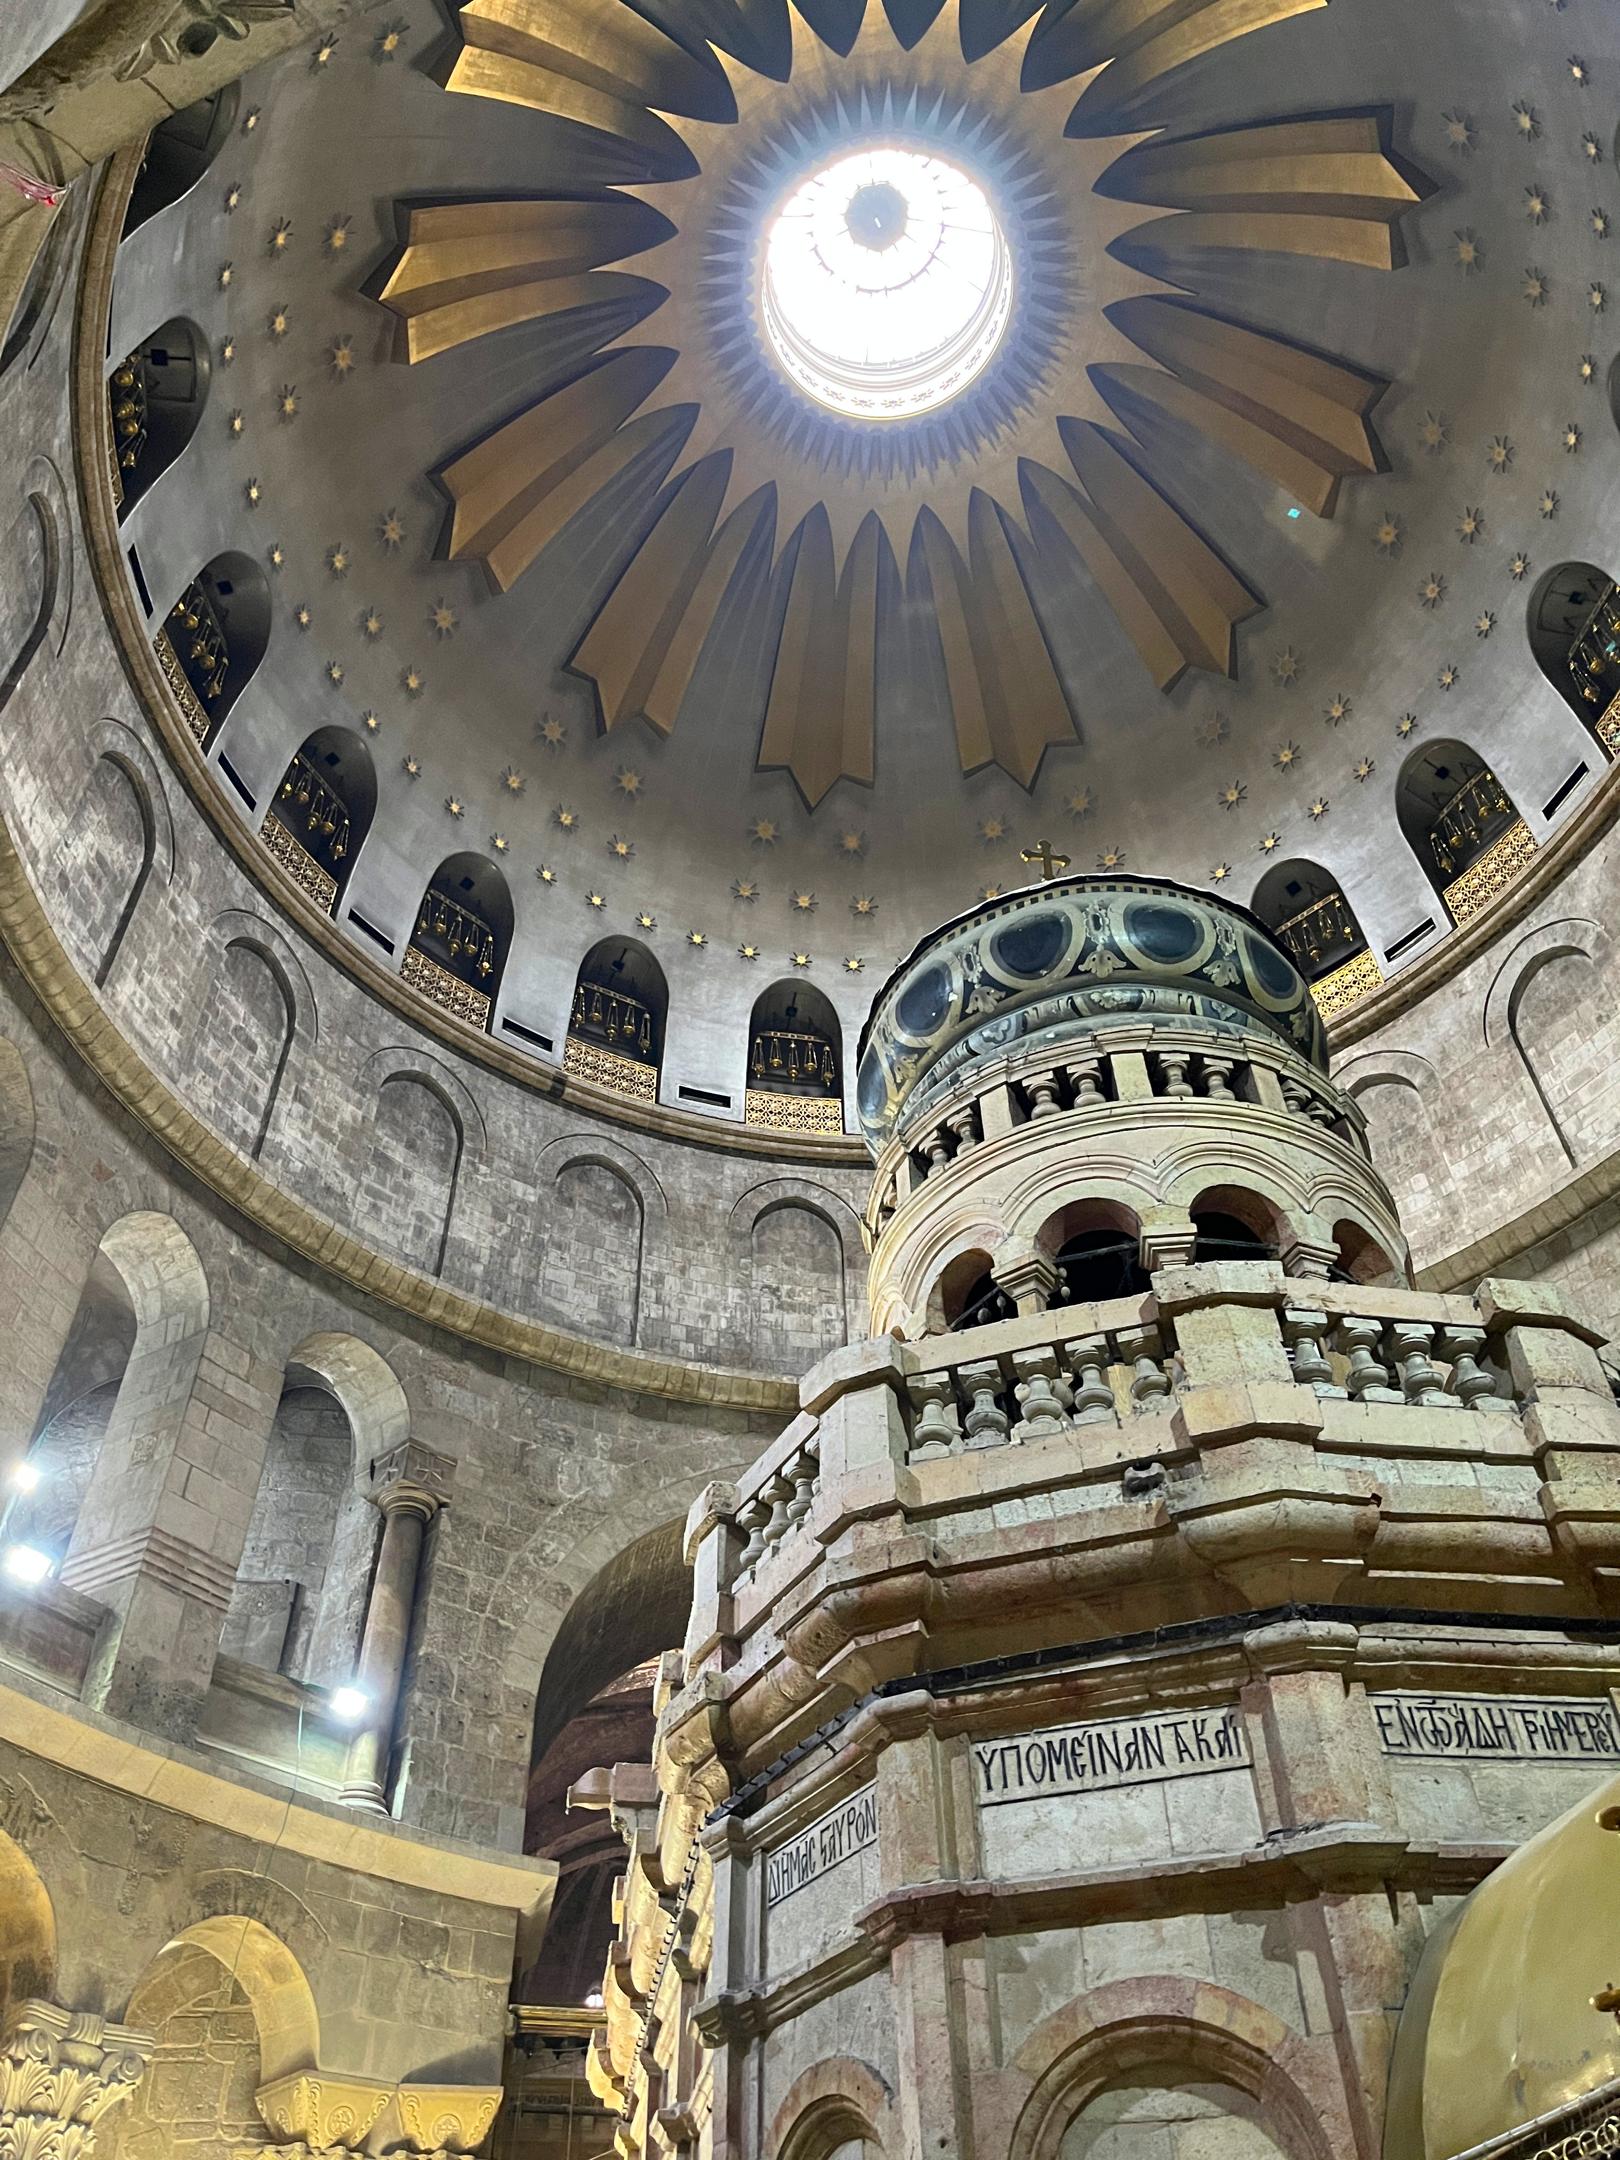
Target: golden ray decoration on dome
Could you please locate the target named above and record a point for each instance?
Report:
(952, 508)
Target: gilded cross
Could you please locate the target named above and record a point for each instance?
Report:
(1048, 858)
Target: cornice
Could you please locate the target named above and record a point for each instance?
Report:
(202, 782)
(71, 1004)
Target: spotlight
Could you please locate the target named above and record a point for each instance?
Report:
(25, 1476)
(349, 1704)
(26, 1564)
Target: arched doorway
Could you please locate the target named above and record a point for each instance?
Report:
(1575, 636)
(462, 936)
(215, 635)
(616, 1024)
(322, 813)
(155, 401)
(794, 1068)
(1317, 927)
(1462, 825)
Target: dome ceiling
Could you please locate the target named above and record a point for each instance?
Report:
(1303, 389)
(1050, 116)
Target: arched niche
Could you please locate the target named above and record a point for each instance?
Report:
(214, 638)
(594, 1707)
(27, 1930)
(590, 1276)
(1462, 825)
(796, 1277)
(463, 934)
(180, 150)
(616, 1022)
(967, 1296)
(1361, 1259)
(155, 401)
(1232, 1223)
(77, 1409)
(1574, 625)
(1315, 924)
(795, 1079)
(322, 812)
(1097, 1247)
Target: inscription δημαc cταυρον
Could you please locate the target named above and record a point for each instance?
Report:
(841, 1833)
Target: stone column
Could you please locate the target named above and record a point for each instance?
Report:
(410, 1487)
(60, 2073)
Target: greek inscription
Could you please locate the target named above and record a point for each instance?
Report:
(815, 1852)
(1118, 1751)
(1481, 1728)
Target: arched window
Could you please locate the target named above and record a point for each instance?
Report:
(155, 399)
(1575, 636)
(180, 150)
(1097, 1245)
(969, 1296)
(794, 1080)
(216, 634)
(322, 812)
(1317, 927)
(616, 1027)
(1230, 1224)
(1462, 825)
(462, 936)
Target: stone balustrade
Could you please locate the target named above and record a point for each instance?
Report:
(1221, 1424)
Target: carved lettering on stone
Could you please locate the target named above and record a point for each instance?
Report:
(1106, 1753)
(837, 1836)
(1497, 1728)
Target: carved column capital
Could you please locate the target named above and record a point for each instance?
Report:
(413, 1477)
(60, 2073)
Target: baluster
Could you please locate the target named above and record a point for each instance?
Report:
(938, 1430)
(1295, 1094)
(1303, 1332)
(937, 1152)
(1040, 1393)
(1092, 1395)
(986, 1423)
(752, 1518)
(964, 1123)
(1367, 1379)
(778, 1492)
(1472, 1385)
(1173, 1066)
(1218, 1078)
(1419, 1380)
(1150, 1384)
(802, 1470)
(1043, 1096)
(1086, 1073)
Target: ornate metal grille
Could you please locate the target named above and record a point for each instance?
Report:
(299, 864)
(1492, 873)
(624, 1075)
(1342, 987)
(195, 657)
(459, 999)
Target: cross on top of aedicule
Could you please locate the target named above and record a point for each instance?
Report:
(1046, 855)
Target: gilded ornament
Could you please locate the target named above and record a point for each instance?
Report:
(236, 422)
(1432, 590)
(853, 966)
(1597, 298)
(371, 624)
(1270, 842)
(744, 889)
(227, 271)
(644, 921)
(764, 832)
(1434, 433)
(1286, 755)
(512, 780)
(499, 842)
(1600, 224)
(565, 818)
(1518, 566)
(1337, 708)
(747, 952)
(370, 722)
(280, 237)
(595, 900)
(340, 358)
(553, 732)
(390, 530)
(799, 959)
(628, 781)
(233, 195)
(1459, 131)
(1586, 368)
(697, 937)
(1387, 533)
(287, 401)
(1525, 122)
(546, 874)
(1537, 203)
(992, 830)
(455, 806)
(1499, 453)
(1081, 802)
(254, 493)
(1447, 678)
(1221, 872)
(334, 671)
(1364, 768)
(1571, 438)
(1405, 724)
(385, 45)
(1111, 859)
(443, 619)
(621, 849)
(321, 57)
(1470, 524)
(337, 234)
(1233, 795)
(863, 905)
(852, 843)
(1592, 149)
(412, 681)
(1285, 666)
(227, 351)
(1469, 255)
(1484, 623)
(1579, 72)
(277, 557)
(804, 903)
(1548, 504)
(1318, 809)
(337, 560)
(278, 320)
(303, 615)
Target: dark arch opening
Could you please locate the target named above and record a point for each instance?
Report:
(155, 401)
(457, 951)
(795, 1076)
(594, 1709)
(1231, 1224)
(969, 1296)
(1454, 812)
(213, 639)
(1574, 624)
(1097, 1246)
(616, 1023)
(180, 150)
(322, 812)
(1313, 921)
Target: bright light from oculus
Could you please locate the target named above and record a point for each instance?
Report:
(26, 1564)
(887, 283)
(349, 1704)
(25, 1476)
